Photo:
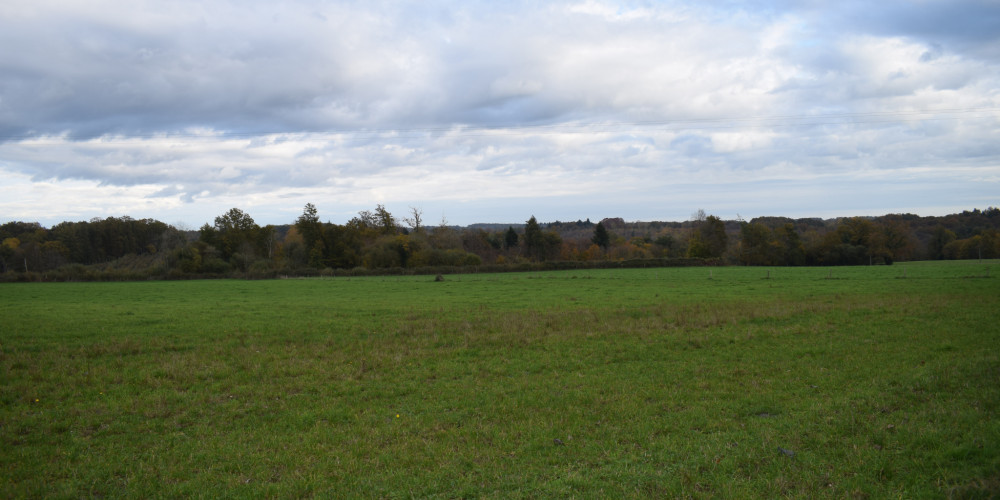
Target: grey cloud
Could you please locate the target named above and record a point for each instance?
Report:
(963, 22)
(122, 80)
(965, 27)
(259, 79)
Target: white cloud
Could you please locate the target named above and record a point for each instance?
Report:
(728, 142)
(189, 108)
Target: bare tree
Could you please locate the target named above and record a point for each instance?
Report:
(416, 220)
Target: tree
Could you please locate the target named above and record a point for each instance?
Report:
(533, 239)
(551, 244)
(293, 248)
(344, 245)
(309, 225)
(857, 231)
(53, 254)
(990, 245)
(895, 238)
(794, 252)
(601, 237)
(365, 220)
(510, 238)
(940, 238)
(237, 235)
(482, 243)
(385, 221)
(311, 229)
(235, 220)
(538, 244)
(709, 238)
(269, 239)
(415, 221)
(757, 245)
(666, 245)
(851, 243)
(7, 251)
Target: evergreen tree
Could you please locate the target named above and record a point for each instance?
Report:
(510, 238)
(601, 237)
(533, 238)
(311, 229)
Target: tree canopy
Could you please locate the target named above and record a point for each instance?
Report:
(374, 239)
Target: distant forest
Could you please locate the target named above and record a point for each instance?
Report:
(379, 242)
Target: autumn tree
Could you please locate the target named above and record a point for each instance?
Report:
(482, 243)
(894, 239)
(8, 249)
(940, 238)
(793, 251)
(758, 245)
(852, 242)
(709, 238)
(384, 220)
(293, 248)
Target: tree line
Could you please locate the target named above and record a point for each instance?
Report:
(234, 245)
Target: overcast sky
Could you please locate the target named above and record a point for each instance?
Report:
(496, 111)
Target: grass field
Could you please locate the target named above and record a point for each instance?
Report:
(867, 382)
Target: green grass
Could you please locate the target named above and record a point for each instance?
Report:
(880, 381)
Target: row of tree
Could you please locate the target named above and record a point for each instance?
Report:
(125, 248)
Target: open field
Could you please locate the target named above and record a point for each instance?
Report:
(727, 382)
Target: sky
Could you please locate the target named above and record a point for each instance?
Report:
(480, 111)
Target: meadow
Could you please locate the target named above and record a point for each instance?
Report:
(846, 382)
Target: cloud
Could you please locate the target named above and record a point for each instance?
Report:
(495, 105)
